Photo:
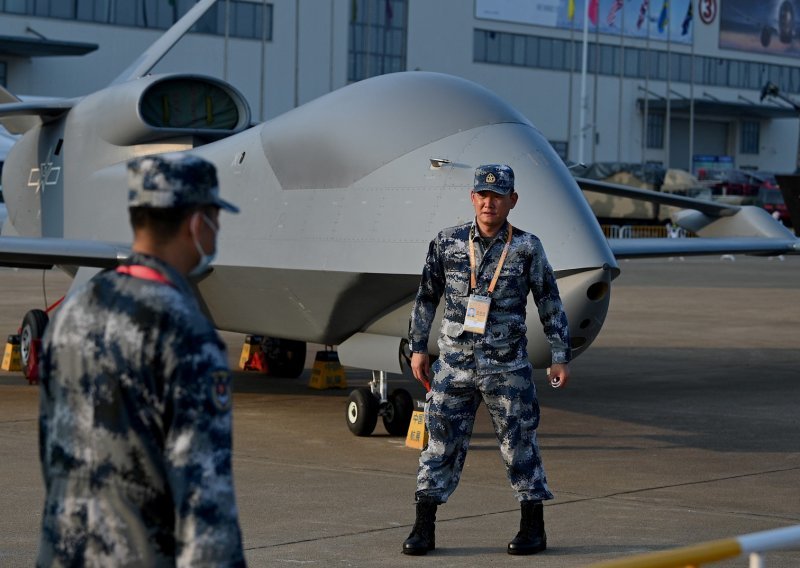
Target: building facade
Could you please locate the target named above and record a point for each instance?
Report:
(675, 82)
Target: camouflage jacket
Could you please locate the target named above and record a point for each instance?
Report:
(503, 346)
(135, 428)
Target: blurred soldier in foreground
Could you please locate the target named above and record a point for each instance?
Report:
(485, 270)
(135, 424)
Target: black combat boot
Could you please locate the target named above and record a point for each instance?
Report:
(531, 537)
(422, 538)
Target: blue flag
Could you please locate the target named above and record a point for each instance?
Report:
(663, 19)
(687, 19)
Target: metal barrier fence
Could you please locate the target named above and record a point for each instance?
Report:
(641, 232)
(754, 544)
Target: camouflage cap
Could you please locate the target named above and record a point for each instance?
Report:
(498, 178)
(174, 180)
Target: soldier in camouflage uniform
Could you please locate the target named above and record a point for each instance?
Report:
(135, 425)
(491, 365)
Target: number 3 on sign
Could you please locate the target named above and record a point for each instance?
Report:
(707, 10)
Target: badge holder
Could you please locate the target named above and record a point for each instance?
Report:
(478, 306)
(477, 313)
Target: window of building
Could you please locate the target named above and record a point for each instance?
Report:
(246, 24)
(503, 48)
(561, 54)
(574, 63)
(532, 48)
(632, 63)
(609, 60)
(749, 139)
(14, 6)
(499, 48)
(518, 50)
(736, 74)
(717, 72)
(591, 58)
(377, 43)
(793, 81)
(247, 17)
(93, 11)
(659, 61)
(655, 130)
(125, 14)
(684, 74)
(479, 45)
(3, 74)
(545, 53)
(56, 9)
(644, 68)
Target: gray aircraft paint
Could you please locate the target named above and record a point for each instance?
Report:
(335, 220)
(339, 199)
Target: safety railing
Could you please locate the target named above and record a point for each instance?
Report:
(754, 544)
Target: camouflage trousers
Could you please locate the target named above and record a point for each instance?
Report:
(450, 414)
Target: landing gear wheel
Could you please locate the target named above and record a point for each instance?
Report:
(397, 413)
(33, 325)
(362, 412)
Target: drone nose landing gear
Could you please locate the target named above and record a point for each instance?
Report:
(365, 404)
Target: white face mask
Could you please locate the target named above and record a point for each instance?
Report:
(205, 259)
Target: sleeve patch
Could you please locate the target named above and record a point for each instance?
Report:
(221, 389)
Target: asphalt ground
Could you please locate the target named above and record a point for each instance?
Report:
(680, 425)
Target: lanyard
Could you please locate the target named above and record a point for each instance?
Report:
(144, 272)
(472, 278)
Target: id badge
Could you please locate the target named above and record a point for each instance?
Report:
(477, 313)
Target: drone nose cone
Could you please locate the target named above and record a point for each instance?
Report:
(585, 296)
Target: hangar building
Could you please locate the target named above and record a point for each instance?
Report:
(674, 82)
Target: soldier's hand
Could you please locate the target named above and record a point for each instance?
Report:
(421, 367)
(558, 375)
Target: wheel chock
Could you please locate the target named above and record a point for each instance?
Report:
(417, 436)
(252, 357)
(11, 357)
(327, 372)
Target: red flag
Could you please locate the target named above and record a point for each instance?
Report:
(594, 8)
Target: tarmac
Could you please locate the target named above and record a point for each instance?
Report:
(680, 425)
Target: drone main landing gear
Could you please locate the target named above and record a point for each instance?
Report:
(30, 338)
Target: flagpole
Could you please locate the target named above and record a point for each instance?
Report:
(584, 55)
(330, 47)
(691, 100)
(225, 55)
(296, 51)
(621, 79)
(667, 136)
(646, 87)
(594, 90)
(367, 38)
(263, 61)
(385, 37)
(571, 76)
